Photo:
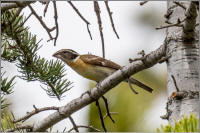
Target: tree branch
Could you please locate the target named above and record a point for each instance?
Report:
(97, 11)
(42, 22)
(90, 127)
(101, 88)
(111, 19)
(46, 7)
(22, 4)
(81, 16)
(190, 22)
(30, 127)
(56, 22)
(180, 4)
(35, 111)
(111, 113)
(143, 2)
(74, 124)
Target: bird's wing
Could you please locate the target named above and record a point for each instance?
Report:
(99, 61)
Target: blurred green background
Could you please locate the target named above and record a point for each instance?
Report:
(131, 108)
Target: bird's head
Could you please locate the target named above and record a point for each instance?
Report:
(66, 55)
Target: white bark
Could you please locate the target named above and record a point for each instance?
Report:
(183, 64)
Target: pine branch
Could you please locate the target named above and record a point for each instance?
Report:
(23, 49)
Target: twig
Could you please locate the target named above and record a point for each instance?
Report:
(26, 19)
(163, 59)
(107, 108)
(141, 58)
(56, 22)
(35, 111)
(42, 22)
(54, 90)
(112, 113)
(111, 19)
(170, 25)
(143, 2)
(74, 124)
(175, 83)
(97, 11)
(46, 7)
(130, 85)
(180, 4)
(30, 127)
(81, 16)
(178, 24)
(81, 126)
(100, 115)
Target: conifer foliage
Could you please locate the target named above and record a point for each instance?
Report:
(20, 46)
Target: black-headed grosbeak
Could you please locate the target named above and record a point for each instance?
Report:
(93, 67)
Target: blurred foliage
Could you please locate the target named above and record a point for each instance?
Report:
(6, 120)
(150, 17)
(131, 108)
(6, 89)
(186, 124)
(20, 46)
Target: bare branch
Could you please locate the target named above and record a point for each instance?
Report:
(143, 2)
(26, 19)
(35, 111)
(107, 108)
(111, 113)
(130, 85)
(74, 124)
(56, 22)
(81, 16)
(30, 127)
(42, 22)
(177, 24)
(90, 127)
(180, 4)
(111, 19)
(22, 4)
(170, 25)
(190, 22)
(175, 82)
(101, 88)
(101, 116)
(97, 11)
(46, 7)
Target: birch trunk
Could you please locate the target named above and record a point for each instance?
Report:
(183, 66)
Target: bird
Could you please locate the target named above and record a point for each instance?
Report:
(94, 67)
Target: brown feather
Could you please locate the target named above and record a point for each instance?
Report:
(99, 61)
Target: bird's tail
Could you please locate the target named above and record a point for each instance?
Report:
(140, 84)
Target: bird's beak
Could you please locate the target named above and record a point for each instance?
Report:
(56, 54)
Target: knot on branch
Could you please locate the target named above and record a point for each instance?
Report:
(179, 96)
(184, 95)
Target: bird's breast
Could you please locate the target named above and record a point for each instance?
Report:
(92, 72)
